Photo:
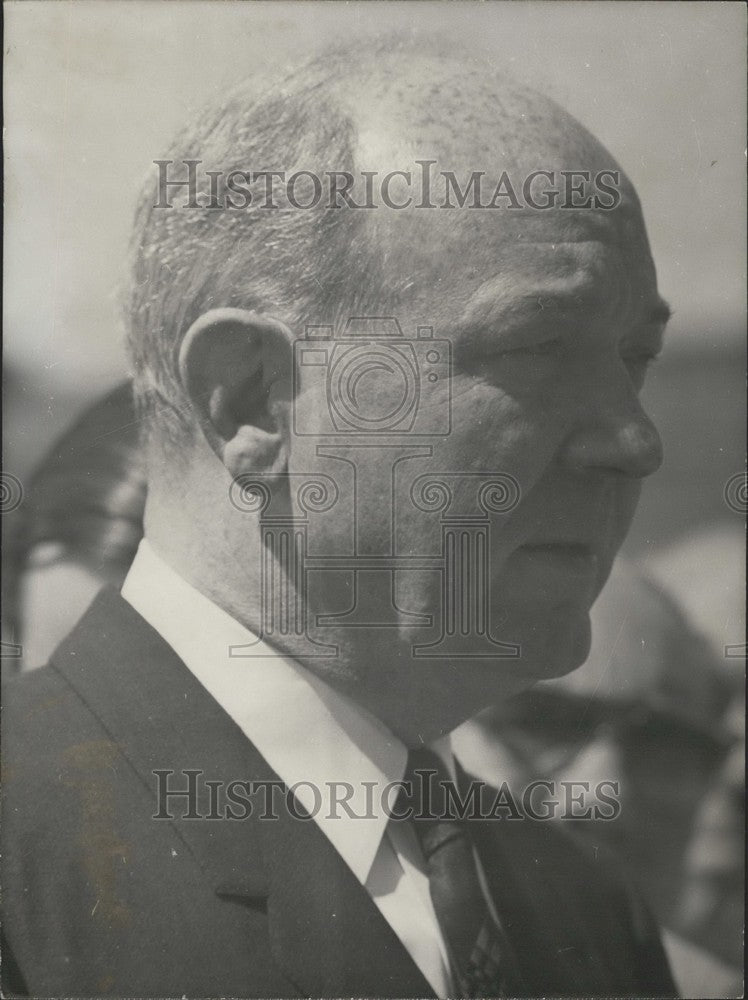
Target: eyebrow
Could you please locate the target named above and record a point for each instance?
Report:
(530, 306)
(575, 303)
(517, 311)
(514, 317)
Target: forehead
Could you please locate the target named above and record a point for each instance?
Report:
(468, 121)
(476, 271)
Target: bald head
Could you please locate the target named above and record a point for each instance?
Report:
(506, 165)
(406, 101)
(448, 158)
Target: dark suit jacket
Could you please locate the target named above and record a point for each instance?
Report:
(102, 899)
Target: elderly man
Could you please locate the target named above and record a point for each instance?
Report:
(394, 443)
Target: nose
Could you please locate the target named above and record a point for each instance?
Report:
(618, 438)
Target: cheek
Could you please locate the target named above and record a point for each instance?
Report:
(495, 431)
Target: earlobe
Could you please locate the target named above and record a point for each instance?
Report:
(235, 367)
(255, 450)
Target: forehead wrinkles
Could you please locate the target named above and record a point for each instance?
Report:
(590, 276)
(458, 249)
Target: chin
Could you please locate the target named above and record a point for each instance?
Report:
(559, 647)
(422, 699)
(570, 646)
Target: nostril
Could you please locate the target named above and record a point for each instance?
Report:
(633, 448)
(645, 447)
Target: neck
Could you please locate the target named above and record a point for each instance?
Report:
(222, 558)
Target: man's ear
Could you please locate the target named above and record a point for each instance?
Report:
(236, 368)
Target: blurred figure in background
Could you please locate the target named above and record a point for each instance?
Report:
(646, 710)
(712, 901)
(706, 574)
(80, 525)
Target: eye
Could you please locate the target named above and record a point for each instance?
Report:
(529, 361)
(640, 359)
(639, 362)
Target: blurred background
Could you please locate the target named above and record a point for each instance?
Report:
(94, 91)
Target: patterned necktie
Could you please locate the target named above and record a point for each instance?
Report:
(482, 960)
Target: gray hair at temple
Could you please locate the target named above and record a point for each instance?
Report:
(296, 264)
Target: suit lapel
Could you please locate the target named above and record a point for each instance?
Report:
(324, 927)
(325, 931)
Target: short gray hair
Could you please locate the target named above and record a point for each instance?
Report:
(298, 265)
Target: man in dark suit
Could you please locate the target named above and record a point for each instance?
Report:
(391, 457)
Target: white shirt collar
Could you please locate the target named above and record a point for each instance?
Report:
(305, 730)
